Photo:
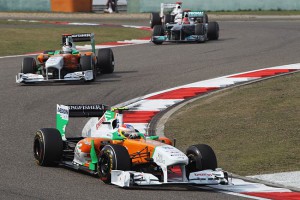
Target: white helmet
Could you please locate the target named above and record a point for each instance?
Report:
(67, 49)
(177, 9)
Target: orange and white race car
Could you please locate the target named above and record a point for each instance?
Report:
(121, 155)
(67, 64)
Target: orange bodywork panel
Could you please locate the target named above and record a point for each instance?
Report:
(71, 61)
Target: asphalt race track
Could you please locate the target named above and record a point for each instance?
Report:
(140, 69)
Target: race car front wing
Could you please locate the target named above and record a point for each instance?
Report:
(133, 178)
(35, 78)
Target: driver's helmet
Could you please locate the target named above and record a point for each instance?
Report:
(67, 49)
(185, 19)
(128, 130)
(177, 9)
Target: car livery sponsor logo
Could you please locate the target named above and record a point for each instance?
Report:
(202, 174)
(63, 111)
(86, 107)
(102, 119)
(159, 159)
(81, 35)
(195, 14)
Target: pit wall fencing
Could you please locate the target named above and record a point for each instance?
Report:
(137, 6)
(142, 6)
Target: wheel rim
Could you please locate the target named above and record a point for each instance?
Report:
(104, 165)
(38, 150)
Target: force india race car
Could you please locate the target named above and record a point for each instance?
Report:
(123, 160)
(67, 64)
(187, 27)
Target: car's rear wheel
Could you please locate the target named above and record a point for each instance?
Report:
(213, 31)
(112, 157)
(201, 157)
(47, 147)
(155, 19)
(87, 63)
(106, 61)
(157, 31)
(167, 18)
(28, 65)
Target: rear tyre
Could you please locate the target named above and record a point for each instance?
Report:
(155, 19)
(213, 31)
(167, 18)
(112, 157)
(47, 147)
(157, 31)
(106, 61)
(87, 63)
(201, 157)
(28, 65)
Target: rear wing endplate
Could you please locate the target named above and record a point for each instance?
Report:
(63, 112)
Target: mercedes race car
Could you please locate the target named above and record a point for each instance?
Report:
(67, 64)
(120, 154)
(187, 27)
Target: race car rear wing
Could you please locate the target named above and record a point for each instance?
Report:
(164, 6)
(81, 37)
(63, 112)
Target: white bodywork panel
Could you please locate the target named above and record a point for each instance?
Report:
(75, 76)
(130, 178)
(55, 62)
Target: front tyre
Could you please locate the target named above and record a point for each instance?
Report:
(87, 63)
(106, 61)
(112, 157)
(28, 65)
(213, 31)
(157, 31)
(201, 157)
(47, 147)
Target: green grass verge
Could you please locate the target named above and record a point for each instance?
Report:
(253, 129)
(21, 37)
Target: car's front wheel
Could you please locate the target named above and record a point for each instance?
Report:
(201, 157)
(106, 61)
(157, 31)
(28, 65)
(213, 31)
(87, 63)
(112, 157)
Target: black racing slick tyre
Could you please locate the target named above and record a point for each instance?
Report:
(155, 19)
(201, 157)
(112, 157)
(28, 65)
(47, 147)
(157, 31)
(106, 61)
(213, 31)
(167, 18)
(87, 63)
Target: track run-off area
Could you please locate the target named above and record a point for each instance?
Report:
(140, 70)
